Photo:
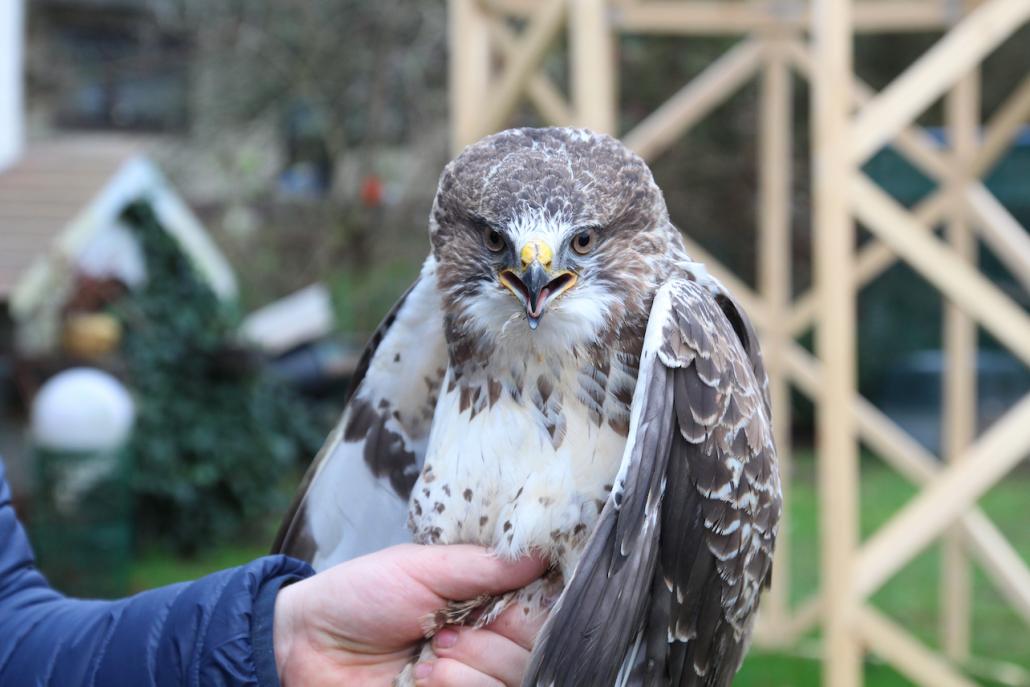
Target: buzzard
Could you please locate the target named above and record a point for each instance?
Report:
(562, 377)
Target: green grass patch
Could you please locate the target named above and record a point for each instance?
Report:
(779, 670)
(912, 597)
(160, 568)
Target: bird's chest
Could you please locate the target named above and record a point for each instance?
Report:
(516, 469)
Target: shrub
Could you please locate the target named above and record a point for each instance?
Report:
(214, 435)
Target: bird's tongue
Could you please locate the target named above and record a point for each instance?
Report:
(535, 309)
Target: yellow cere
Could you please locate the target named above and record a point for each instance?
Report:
(536, 249)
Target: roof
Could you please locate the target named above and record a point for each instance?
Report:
(52, 184)
(55, 199)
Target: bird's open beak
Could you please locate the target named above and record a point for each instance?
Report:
(537, 285)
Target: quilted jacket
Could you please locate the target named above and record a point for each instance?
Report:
(214, 631)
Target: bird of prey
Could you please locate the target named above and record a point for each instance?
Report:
(563, 378)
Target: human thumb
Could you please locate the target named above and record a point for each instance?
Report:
(459, 572)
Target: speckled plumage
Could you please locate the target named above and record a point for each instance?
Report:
(627, 436)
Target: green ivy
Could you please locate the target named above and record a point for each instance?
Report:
(214, 434)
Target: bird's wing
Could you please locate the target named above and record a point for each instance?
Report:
(354, 497)
(665, 591)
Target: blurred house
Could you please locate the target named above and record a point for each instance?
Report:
(63, 248)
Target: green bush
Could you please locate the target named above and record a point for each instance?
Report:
(214, 434)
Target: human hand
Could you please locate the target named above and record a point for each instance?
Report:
(360, 622)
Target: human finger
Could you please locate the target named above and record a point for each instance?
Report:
(447, 672)
(519, 623)
(484, 651)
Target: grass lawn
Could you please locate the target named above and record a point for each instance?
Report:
(156, 568)
(911, 597)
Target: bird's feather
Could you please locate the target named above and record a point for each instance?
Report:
(354, 497)
(665, 591)
(627, 436)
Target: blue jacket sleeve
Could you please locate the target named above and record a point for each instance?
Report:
(215, 631)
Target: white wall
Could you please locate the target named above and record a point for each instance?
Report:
(12, 35)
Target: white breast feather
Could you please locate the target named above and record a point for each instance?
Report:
(496, 480)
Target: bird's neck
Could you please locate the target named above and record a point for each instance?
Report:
(599, 375)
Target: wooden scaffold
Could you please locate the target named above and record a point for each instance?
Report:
(494, 68)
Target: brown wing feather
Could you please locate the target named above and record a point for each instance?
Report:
(722, 501)
(667, 589)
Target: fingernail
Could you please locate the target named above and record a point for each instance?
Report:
(422, 670)
(445, 639)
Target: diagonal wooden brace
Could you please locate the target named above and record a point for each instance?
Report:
(721, 79)
(995, 555)
(547, 99)
(944, 499)
(543, 29)
(926, 80)
(956, 279)
(899, 648)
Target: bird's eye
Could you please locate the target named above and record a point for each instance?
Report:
(493, 240)
(584, 241)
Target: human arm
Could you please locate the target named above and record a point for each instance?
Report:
(186, 634)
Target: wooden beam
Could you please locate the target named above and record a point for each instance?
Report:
(962, 112)
(1002, 563)
(705, 92)
(896, 447)
(715, 17)
(468, 41)
(995, 555)
(834, 241)
(709, 17)
(795, 625)
(535, 41)
(913, 142)
(982, 30)
(885, 16)
(543, 94)
(1003, 127)
(593, 66)
(918, 147)
(873, 260)
(808, 614)
(1000, 672)
(1008, 240)
(775, 162)
(997, 228)
(896, 646)
(938, 505)
(963, 285)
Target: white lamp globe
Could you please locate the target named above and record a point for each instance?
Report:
(82, 409)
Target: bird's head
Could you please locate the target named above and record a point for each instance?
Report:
(548, 237)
